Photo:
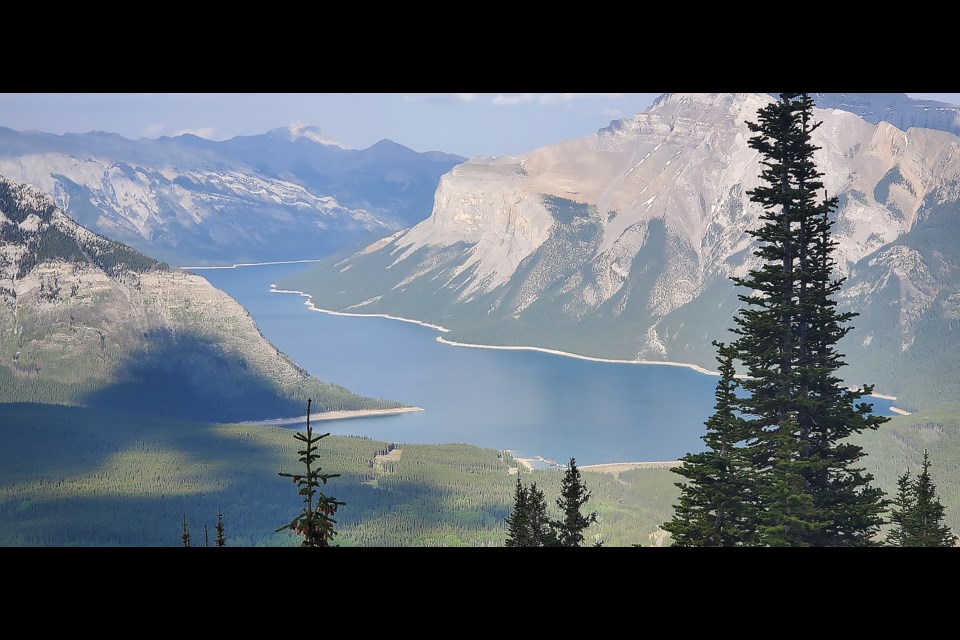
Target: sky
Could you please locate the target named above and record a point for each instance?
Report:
(468, 124)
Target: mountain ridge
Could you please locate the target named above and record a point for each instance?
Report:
(189, 200)
(620, 244)
(88, 321)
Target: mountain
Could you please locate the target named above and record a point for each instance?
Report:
(621, 244)
(898, 109)
(89, 321)
(287, 194)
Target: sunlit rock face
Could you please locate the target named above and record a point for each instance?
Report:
(622, 243)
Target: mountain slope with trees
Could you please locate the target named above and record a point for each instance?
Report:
(89, 321)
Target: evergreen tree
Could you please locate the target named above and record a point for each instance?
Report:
(221, 540)
(903, 504)
(573, 496)
(315, 522)
(528, 524)
(926, 515)
(541, 533)
(714, 497)
(798, 414)
(185, 536)
(518, 522)
(791, 518)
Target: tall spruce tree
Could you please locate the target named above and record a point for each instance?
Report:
(798, 414)
(714, 499)
(518, 522)
(315, 522)
(573, 496)
(899, 534)
(541, 533)
(528, 524)
(928, 512)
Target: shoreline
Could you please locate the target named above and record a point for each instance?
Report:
(578, 356)
(330, 415)
(617, 467)
(695, 367)
(442, 340)
(251, 264)
(312, 307)
(604, 467)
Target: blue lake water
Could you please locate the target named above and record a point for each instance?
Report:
(532, 402)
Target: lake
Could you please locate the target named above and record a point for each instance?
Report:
(531, 402)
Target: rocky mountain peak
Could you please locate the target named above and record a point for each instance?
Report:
(19, 201)
(301, 130)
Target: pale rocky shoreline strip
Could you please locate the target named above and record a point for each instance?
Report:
(312, 307)
(249, 264)
(606, 467)
(332, 415)
(617, 467)
(578, 356)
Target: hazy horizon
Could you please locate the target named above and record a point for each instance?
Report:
(468, 124)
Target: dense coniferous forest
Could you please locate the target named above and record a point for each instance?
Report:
(72, 476)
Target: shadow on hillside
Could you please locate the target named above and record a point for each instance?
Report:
(86, 477)
(185, 376)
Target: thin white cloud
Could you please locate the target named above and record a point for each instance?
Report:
(549, 98)
(611, 113)
(520, 98)
(440, 97)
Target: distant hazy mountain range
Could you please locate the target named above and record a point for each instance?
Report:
(88, 321)
(621, 243)
(287, 194)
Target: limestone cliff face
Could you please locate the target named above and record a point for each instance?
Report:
(643, 223)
